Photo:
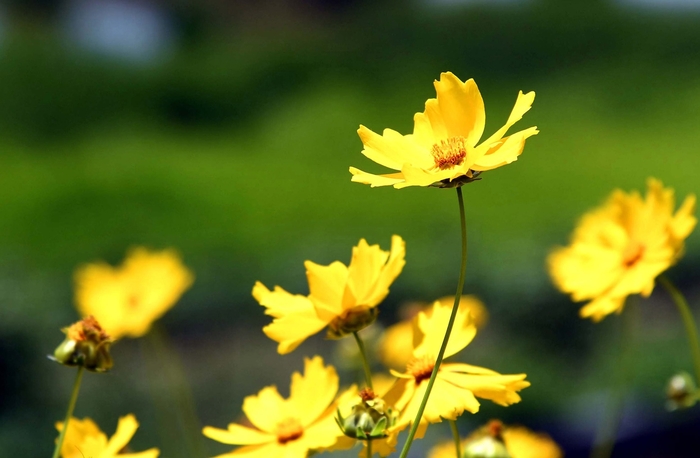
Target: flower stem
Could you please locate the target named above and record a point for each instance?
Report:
(688, 321)
(369, 449)
(69, 413)
(365, 365)
(455, 436)
(453, 315)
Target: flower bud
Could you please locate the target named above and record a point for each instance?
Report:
(87, 345)
(489, 445)
(369, 419)
(353, 320)
(681, 392)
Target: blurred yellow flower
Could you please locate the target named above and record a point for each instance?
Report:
(85, 440)
(519, 441)
(396, 345)
(443, 148)
(126, 300)
(457, 385)
(344, 299)
(619, 248)
(290, 428)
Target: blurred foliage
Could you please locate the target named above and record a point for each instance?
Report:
(235, 150)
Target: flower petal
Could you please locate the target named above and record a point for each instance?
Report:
(327, 285)
(126, 428)
(461, 107)
(358, 176)
(312, 393)
(279, 302)
(265, 409)
(522, 105)
(393, 150)
(504, 151)
(150, 453)
(238, 435)
(379, 273)
(292, 329)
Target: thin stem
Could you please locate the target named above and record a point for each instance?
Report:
(690, 327)
(365, 363)
(69, 413)
(453, 315)
(369, 449)
(455, 436)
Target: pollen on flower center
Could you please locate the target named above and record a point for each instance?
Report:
(633, 252)
(289, 429)
(421, 368)
(449, 153)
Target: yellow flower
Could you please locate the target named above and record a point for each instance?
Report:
(457, 385)
(85, 440)
(519, 441)
(128, 299)
(342, 298)
(619, 248)
(396, 345)
(443, 148)
(290, 428)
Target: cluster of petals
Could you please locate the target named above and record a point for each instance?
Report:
(444, 146)
(290, 428)
(619, 248)
(126, 300)
(336, 292)
(457, 384)
(84, 439)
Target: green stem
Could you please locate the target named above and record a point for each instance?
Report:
(690, 327)
(455, 436)
(448, 331)
(69, 413)
(369, 449)
(365, 362)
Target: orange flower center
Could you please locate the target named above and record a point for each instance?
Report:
(289, 429)
(633, 252)
(421, 368)
(449, 153)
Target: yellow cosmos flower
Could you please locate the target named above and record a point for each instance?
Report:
(396, 345)
(85, 440)
(126, 300)
(619, 248)
(290, 428)
(342, 298)
(443, 148)
(457, 385)
(519, 441)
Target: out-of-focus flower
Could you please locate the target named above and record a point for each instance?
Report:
(128, 299)
(681, 392)
(342, 298)
(457, 385)
(85, 440)
(497, 440)
(290, 428)
(619, 248)
(443, 150)
(87, 345)
(396, 345)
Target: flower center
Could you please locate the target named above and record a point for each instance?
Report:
(289, 429)
(632, 253)
(421, 368)
(449, 153)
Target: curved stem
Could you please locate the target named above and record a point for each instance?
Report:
(365, 363)
(690, 327)
(369, 449)
(455, 436)
(69, 413)
(448, 331)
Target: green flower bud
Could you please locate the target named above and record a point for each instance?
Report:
(369, 419)
(488, 445)
(681, 392)
(87, 345)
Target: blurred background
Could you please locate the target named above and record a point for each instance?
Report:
(226, 129)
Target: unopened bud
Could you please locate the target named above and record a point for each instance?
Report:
(352, 320)
(681, 392)
(369, 419)
(87, 345)
(489, 445)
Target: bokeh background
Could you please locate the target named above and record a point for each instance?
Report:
(226, 129)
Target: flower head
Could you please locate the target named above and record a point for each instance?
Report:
(369, 419)
(87, 345)
(128, 299)
(85, 440)
(443, 150)
(516, 442)
(342, 298)
(290, 428)
(457, 385)
(619, 248)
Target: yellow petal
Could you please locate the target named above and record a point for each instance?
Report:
(461, 107)
(291, 330)
(312, 393)
(392, 149)
(433, 327)
(126, 428)
(378, 273)
(279, 302)
(327, 285)
(266, 409)
(504, 151)
(269, 450)
(522, 105)
(359, 176)
(238, 435)
(82, 435)
(150, 453)
(364, 268)
(523, 443)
